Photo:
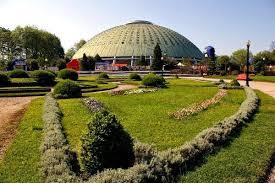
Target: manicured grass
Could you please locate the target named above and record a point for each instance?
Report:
(22, 94)
(254, 78)
(264, 78)
(75, 119)
(21, 162)
(145, 116)
(248, 156)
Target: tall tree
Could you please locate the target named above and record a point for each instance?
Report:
(79, 44)
(84, 63)
(239, 57)
(70, 52)
(157, 61)
(97, 58)
(223, 61)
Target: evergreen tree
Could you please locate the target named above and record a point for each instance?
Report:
(157, 62)
(97, 58)
(84, 63)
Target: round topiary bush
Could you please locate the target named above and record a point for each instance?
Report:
(43, 78)
(68, 74)
(153, 80)
(4, 80)
(234, 82)
(135, 76)
(106, 145)
(18, 73)
(67, 89)
(103, 75)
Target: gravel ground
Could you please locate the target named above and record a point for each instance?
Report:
(12, 110)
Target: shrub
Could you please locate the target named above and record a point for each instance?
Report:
(43, 78)
(18, 73)
(153, 80)
(32, 65)
(222, 73)
(56, 157)
(103, 75)
(106, 145)
(68, 74)
(135, 76)
(4, 80)
(67, 89)
(53, 72)
(234, 82)
(61, 64)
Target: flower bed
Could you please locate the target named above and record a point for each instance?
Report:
(182, 113)
(133, 91)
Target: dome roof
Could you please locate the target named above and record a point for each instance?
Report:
(139, 38)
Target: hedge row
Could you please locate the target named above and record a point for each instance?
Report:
(166, 166)
(56, 156)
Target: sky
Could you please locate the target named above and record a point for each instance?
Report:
(224, 24)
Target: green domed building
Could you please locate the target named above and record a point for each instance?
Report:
(125, 44)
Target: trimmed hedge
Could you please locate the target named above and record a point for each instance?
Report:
(166, 166)
(106, 145)
(18, 73)
(43, 78)
(153, 80)
(135, 76)
(68, 74)
(55, 159)
(67, 89)
(4, 80)
(103, 75)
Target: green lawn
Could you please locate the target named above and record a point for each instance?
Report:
(21, 162)
(254, 78)
(247, 157)
(145, 116)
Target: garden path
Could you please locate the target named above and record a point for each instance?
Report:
(12, 110)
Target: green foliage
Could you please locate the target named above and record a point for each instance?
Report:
(68, 74)
(97, 58)
(55, 160)
(239, 57)
(67, 89)
(135, 76)
(142, 61)
(32, 64)
(4, 79)
(153, 80)
(234, 82)
(43, 78)
(70, 53)
(85, 64)
(157, 61)
(223, 62)
(37, 43)
(103, 75)
(53, 72)
(18, 73)
(61, 64)
(106, 145)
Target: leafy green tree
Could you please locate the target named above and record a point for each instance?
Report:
(91, 60)
(79, 44)
(142, 61)
(32, 64)
(157, 61)
(223, 62)
(239, 57)
(61, 64)
(70, 53)
(262, 59)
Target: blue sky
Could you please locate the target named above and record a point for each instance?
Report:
(224, 24)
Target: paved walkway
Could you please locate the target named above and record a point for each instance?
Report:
(12, 110)
(265, 87)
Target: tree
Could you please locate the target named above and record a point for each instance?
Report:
(35, 43)
(223, 61)
(239, 57)
(142, 61)
(70, 52)
(61, 64)
(97, 58)
(157, 61)
(32, 64)
(79, 44)
(91, 60)
(262, 59)
(272, 46)
(85, 63)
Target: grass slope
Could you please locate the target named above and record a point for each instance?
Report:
(21, 162)
(146, 118)
(248, 156)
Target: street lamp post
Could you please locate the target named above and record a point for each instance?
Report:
(247, 63)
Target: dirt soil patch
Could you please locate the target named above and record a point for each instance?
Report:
(12, 110)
